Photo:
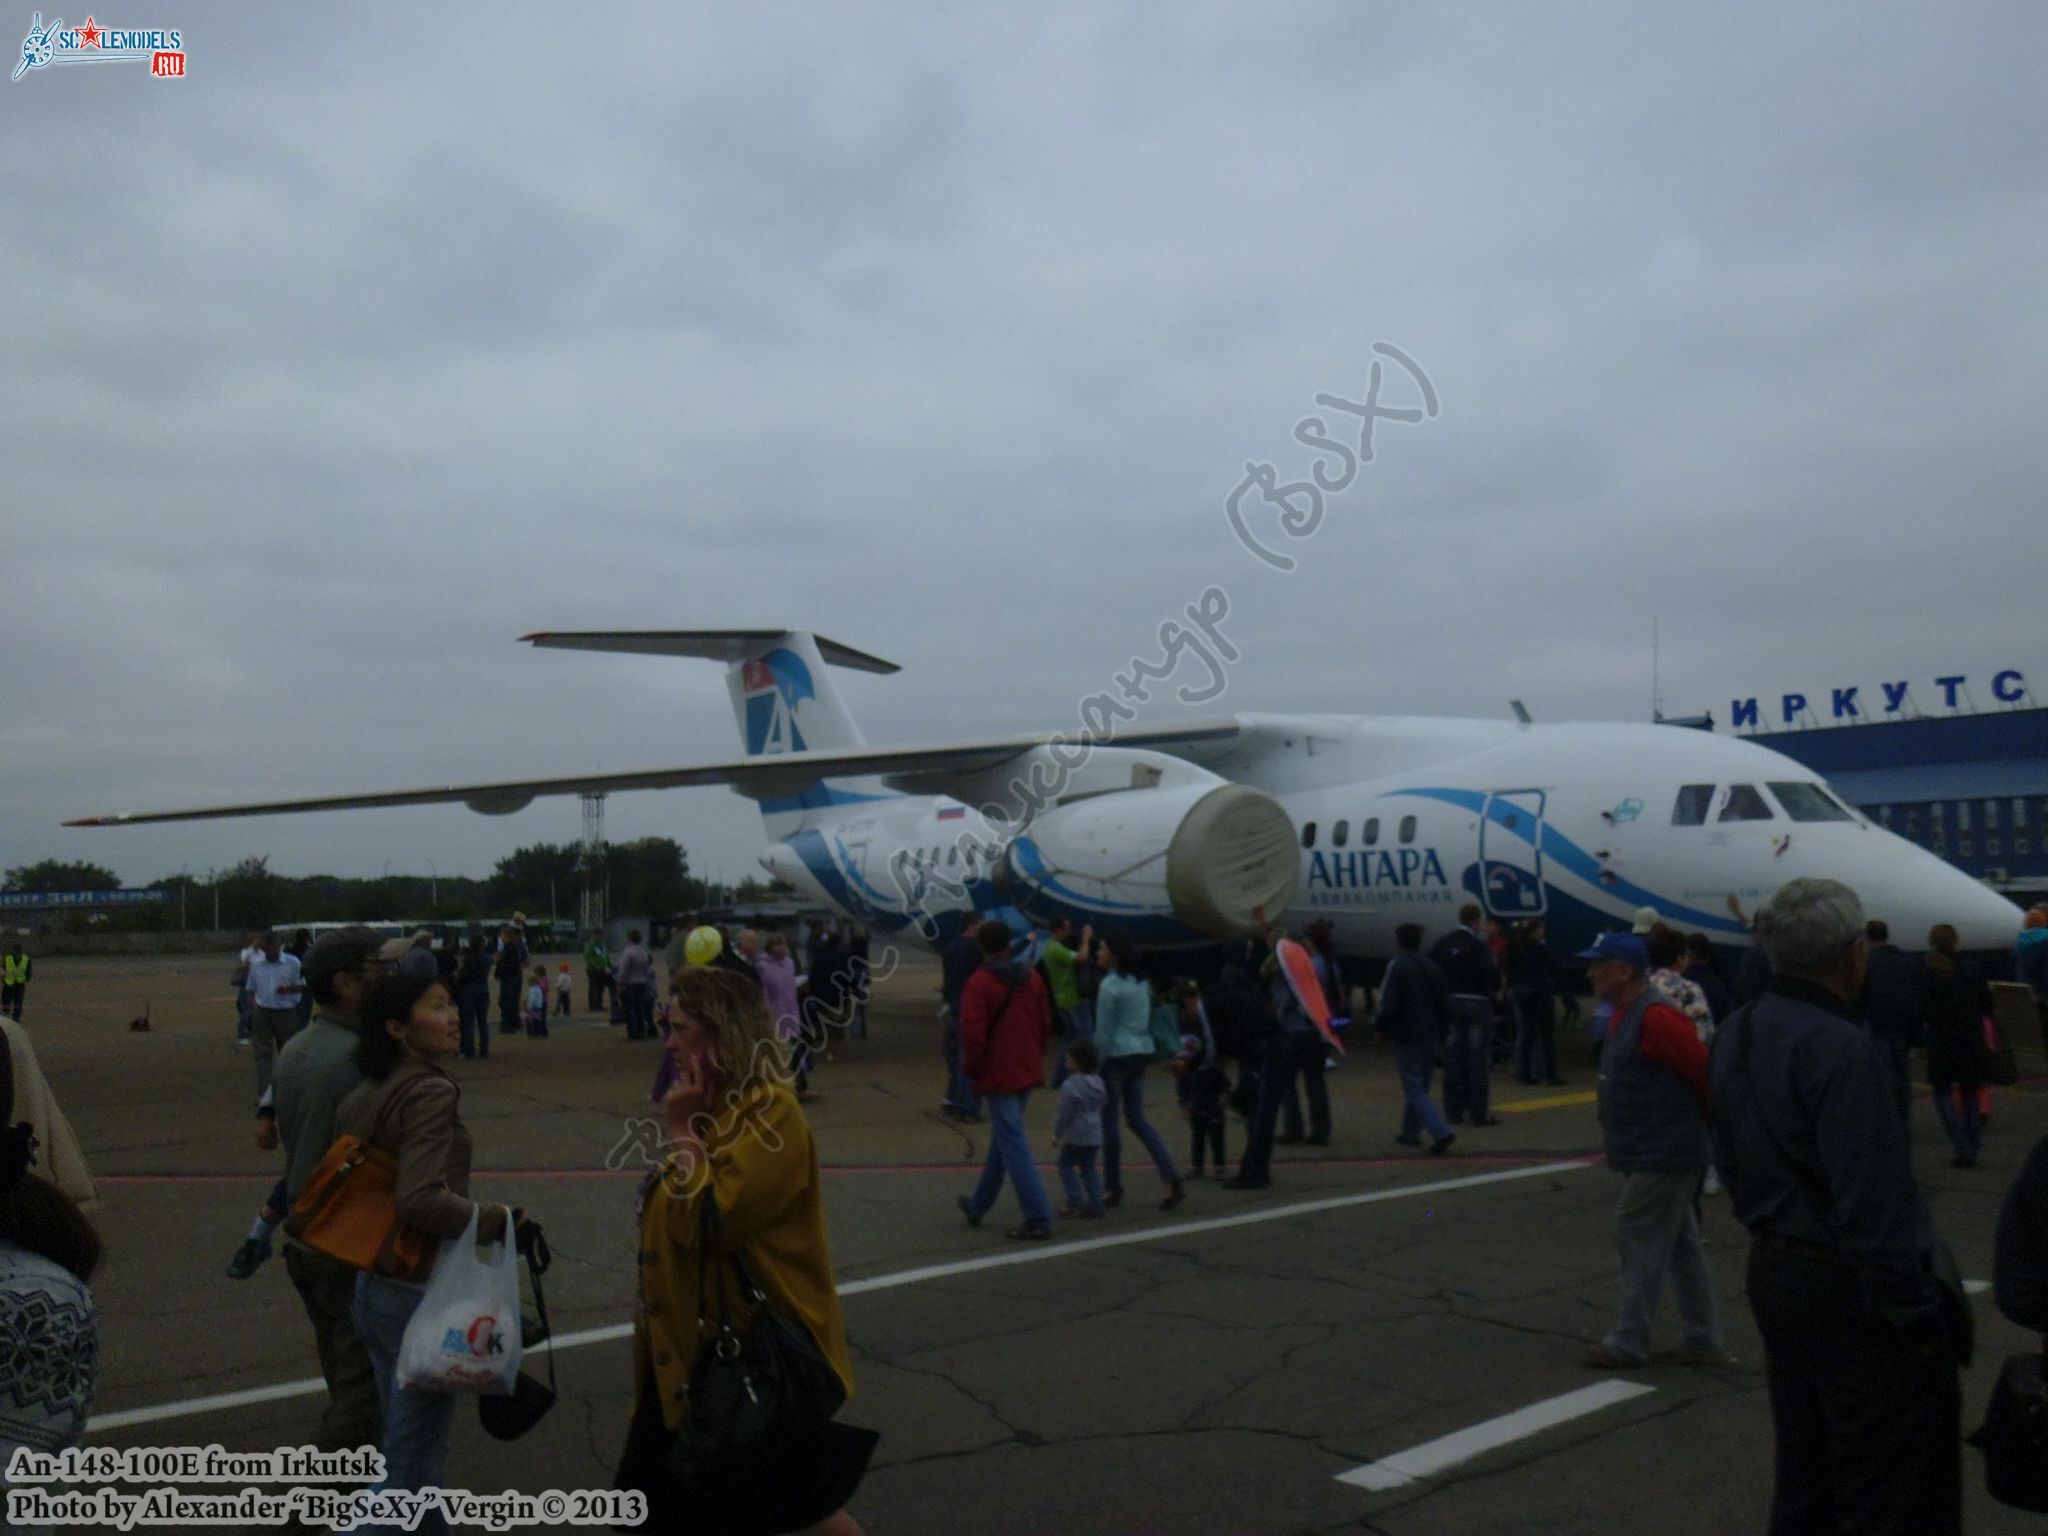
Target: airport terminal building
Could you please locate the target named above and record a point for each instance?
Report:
(1969, 785)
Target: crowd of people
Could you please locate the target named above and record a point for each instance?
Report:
(370, 1070)
(1790, 1083)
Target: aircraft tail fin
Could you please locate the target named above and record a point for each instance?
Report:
(782, 691)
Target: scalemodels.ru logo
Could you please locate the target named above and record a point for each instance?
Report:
(91, 43)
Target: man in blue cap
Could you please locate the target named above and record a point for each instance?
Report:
(1653, 1115)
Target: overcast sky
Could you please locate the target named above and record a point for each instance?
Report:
(947, 332)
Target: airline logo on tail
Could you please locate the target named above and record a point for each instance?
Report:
(773, 686)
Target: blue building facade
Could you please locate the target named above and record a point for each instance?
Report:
(1972, 788)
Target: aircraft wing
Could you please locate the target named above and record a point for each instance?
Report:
(756, 777)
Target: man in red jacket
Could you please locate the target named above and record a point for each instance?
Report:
(1005, 1025)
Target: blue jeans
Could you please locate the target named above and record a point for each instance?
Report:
(1124, 1077)
(1535, 1036)
(1418, 1111)
(1083, 1185)
(416, 1423)
(1468, 1058)
(1961, 1122)
(474, 1003)
(1009, 1152)
(959, 1091)
(638, 1000)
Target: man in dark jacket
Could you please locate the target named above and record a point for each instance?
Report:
(1414, 1010)
(1861, 1339)
(1474, 981)
(957, 965)
(1895, 1005)
(1005, 1025)
(1653, 1117)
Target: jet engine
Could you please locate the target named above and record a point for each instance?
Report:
(1210, 855)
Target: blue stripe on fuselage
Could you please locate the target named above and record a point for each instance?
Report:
(1571, 856)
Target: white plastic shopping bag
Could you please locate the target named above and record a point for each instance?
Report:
(465, 1335)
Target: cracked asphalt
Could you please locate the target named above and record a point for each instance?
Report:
(1212, 1381)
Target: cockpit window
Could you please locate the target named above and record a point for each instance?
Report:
(1745, 803)
(1808, 802)
(1694, 800)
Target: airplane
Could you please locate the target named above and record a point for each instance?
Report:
(1192, 832)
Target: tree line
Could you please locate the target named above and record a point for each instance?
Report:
(649, 875)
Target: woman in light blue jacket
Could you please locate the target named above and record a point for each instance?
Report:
(1123, 1034)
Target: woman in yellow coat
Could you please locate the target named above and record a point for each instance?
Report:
(736, 1136)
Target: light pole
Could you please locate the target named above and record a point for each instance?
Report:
(433, 886)
(184, 882)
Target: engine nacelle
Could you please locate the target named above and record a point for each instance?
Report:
(1207, 855)
(498, 804)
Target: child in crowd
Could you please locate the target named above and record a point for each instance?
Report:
(535, 1017)
(1077, 1129)
(1203, 1086)
(563, 987)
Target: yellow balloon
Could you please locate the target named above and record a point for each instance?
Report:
(703, 945)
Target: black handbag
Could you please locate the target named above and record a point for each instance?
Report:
(2014, 1436)
(512, 1415)
(751, 1393)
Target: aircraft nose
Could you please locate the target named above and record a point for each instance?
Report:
(1912, 890)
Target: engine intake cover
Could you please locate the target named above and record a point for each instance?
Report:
(1233, 855)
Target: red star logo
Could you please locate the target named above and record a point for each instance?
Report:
(89, 34)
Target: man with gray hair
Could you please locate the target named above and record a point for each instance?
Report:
(1862, 1321)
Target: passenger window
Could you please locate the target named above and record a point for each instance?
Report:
(1745, 804)
(1370, 834)
(1808, 802)
(1308, 835)
(1407, 829)
(1991, 810)
(1690, 809)
(1962, 815)
(1339, 833)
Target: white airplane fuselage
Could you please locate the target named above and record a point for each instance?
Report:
(1407, 819)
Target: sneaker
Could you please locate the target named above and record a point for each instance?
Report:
(1243, 1181)
(1441, 1145)
(1601, 1358)
(967, 1210)
(1486, 1119)
(248, 1258)
(1030, 1232)
(1407, 1141)
(1175, 1193)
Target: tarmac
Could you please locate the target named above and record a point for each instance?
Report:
(1379, 1343)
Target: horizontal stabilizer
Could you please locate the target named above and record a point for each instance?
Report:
(728, 645)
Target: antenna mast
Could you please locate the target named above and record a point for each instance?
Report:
(1656, 674)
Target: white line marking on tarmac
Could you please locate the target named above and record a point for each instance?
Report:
(1026, 1254)
(1404, 1468)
